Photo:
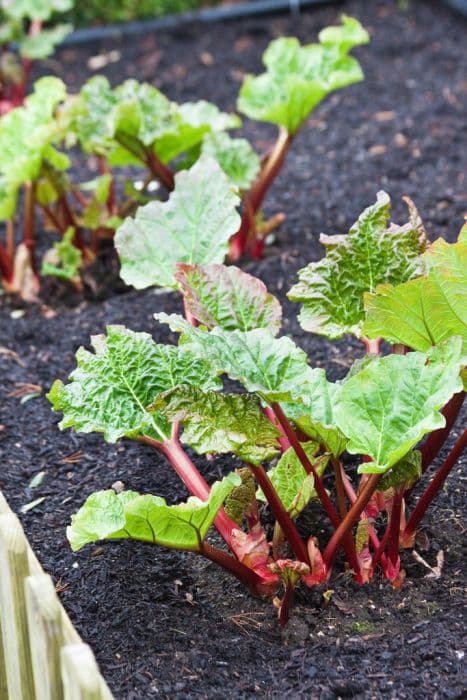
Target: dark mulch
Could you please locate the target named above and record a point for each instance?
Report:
(169, 625)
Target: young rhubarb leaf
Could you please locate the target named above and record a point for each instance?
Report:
(227, 297)
(41, 10)
(372, 253)
(220, 423)
(107, 515)
(394, 401)
(274, 368)
(193, 226)
(111, 388)
(41, 45)
(26, 136)
(293, 485)
(64, 259)
(405, 473)
(235, 156)
(243, 497)
(299, 77)
(426, 310)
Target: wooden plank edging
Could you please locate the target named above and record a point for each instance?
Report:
(42, 656)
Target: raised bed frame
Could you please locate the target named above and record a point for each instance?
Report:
(42, 657)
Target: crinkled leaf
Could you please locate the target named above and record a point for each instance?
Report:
(220, 423)
(292, 484)
(394, 401)
(314, 413)
(242, 497)
(107, 515)
(111, 387)
(227, 297)
(26, 134)
(405, 473)
(65, 259)
(274, 368)
(427, 310)
(193, 226)
(235, 156)
(41, 45)
(332, 289)
(299, 77)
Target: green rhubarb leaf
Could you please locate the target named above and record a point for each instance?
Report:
(110, 389)
(292, 484)
(274, 368)
(427, 310)
(299, 77)
(217, 295)
(64, 259)
(39, 46)
(405, 473)
(332, 289)
(220, 423)
(109, 516)
(34, 9)
(235, 156)
(314, 412)
(242, 498)
(385, 409)
(193, 226)
(26, 135)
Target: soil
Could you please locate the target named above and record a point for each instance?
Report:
(168, 625)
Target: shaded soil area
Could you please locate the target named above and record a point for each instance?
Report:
(169, 625)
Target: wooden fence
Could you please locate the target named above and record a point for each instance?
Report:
(41, 655)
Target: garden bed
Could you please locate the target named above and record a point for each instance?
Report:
(170, 625)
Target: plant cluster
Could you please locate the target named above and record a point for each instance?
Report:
(290, 428)
(23, 39)
(135, 125)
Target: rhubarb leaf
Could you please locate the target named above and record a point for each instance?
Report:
(274, 368)
(41, 10)
(39, 46)
(112, 386)
(331, 290)
(227, 297)
(235, 156)
(292, 484)
(394, 401)
(220, 423)
(193, 226)
(26, 135)
(299, 77)
(107, 515)
(314, 412)
(427, 310)
(64, 259)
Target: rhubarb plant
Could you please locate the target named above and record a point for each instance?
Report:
(22, 27)
(287, 428)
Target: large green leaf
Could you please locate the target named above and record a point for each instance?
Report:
(314, 412)
(235, 156)
(274, 368)
(111, 388)
(193, 226)
(110, 516)
(26, 135)
(299, 77)
(292, 484)
(227, 297)
(221, 423)
(427, 310)
(34, 9)
(332, 289)
(394, 401)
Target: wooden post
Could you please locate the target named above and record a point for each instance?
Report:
(45, 636)
(14, 568)
(80, 674)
